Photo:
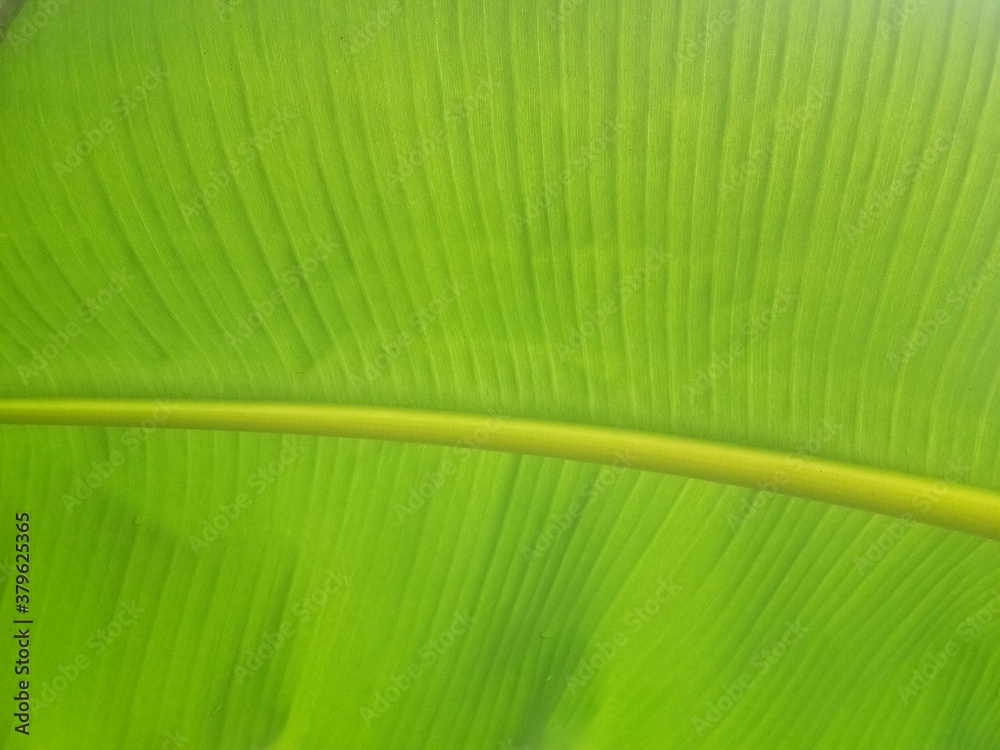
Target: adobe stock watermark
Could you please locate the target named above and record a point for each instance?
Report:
(898, 15)
(303, 610)
(559, 523)
(606, 649)
(623, 291)
(248, 150)
(882, 200)
(121, 109)
(32, 24)
(173, 739)
(925, 331)
(290, 280)
(86, 312)
(130, 441)
(432, 481)
(454, 116)
(761, 663)
(896, 530)
(697, 44)
(579, 163)
(97, 644)
(6, 570)
(788, 126)
(935, 662)
(753, 329)
(416, 325)
(509, 745)
(750, 506)
(924, 501)
(361, 37)
(225, 8)
(564, 10)
(216, 526)
(427, 657)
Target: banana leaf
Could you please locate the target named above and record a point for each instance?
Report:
(573, 374)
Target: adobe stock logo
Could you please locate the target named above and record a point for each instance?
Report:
(429, 654)
(32, 24)
(432, 481)
(86, 312)
(934, 662)
(101, 471)
(641, 613)
(560, 522)
(733, 692)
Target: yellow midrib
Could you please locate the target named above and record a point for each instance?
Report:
(972, 510)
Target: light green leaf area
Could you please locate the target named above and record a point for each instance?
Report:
(769, 224)
(293, 592)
